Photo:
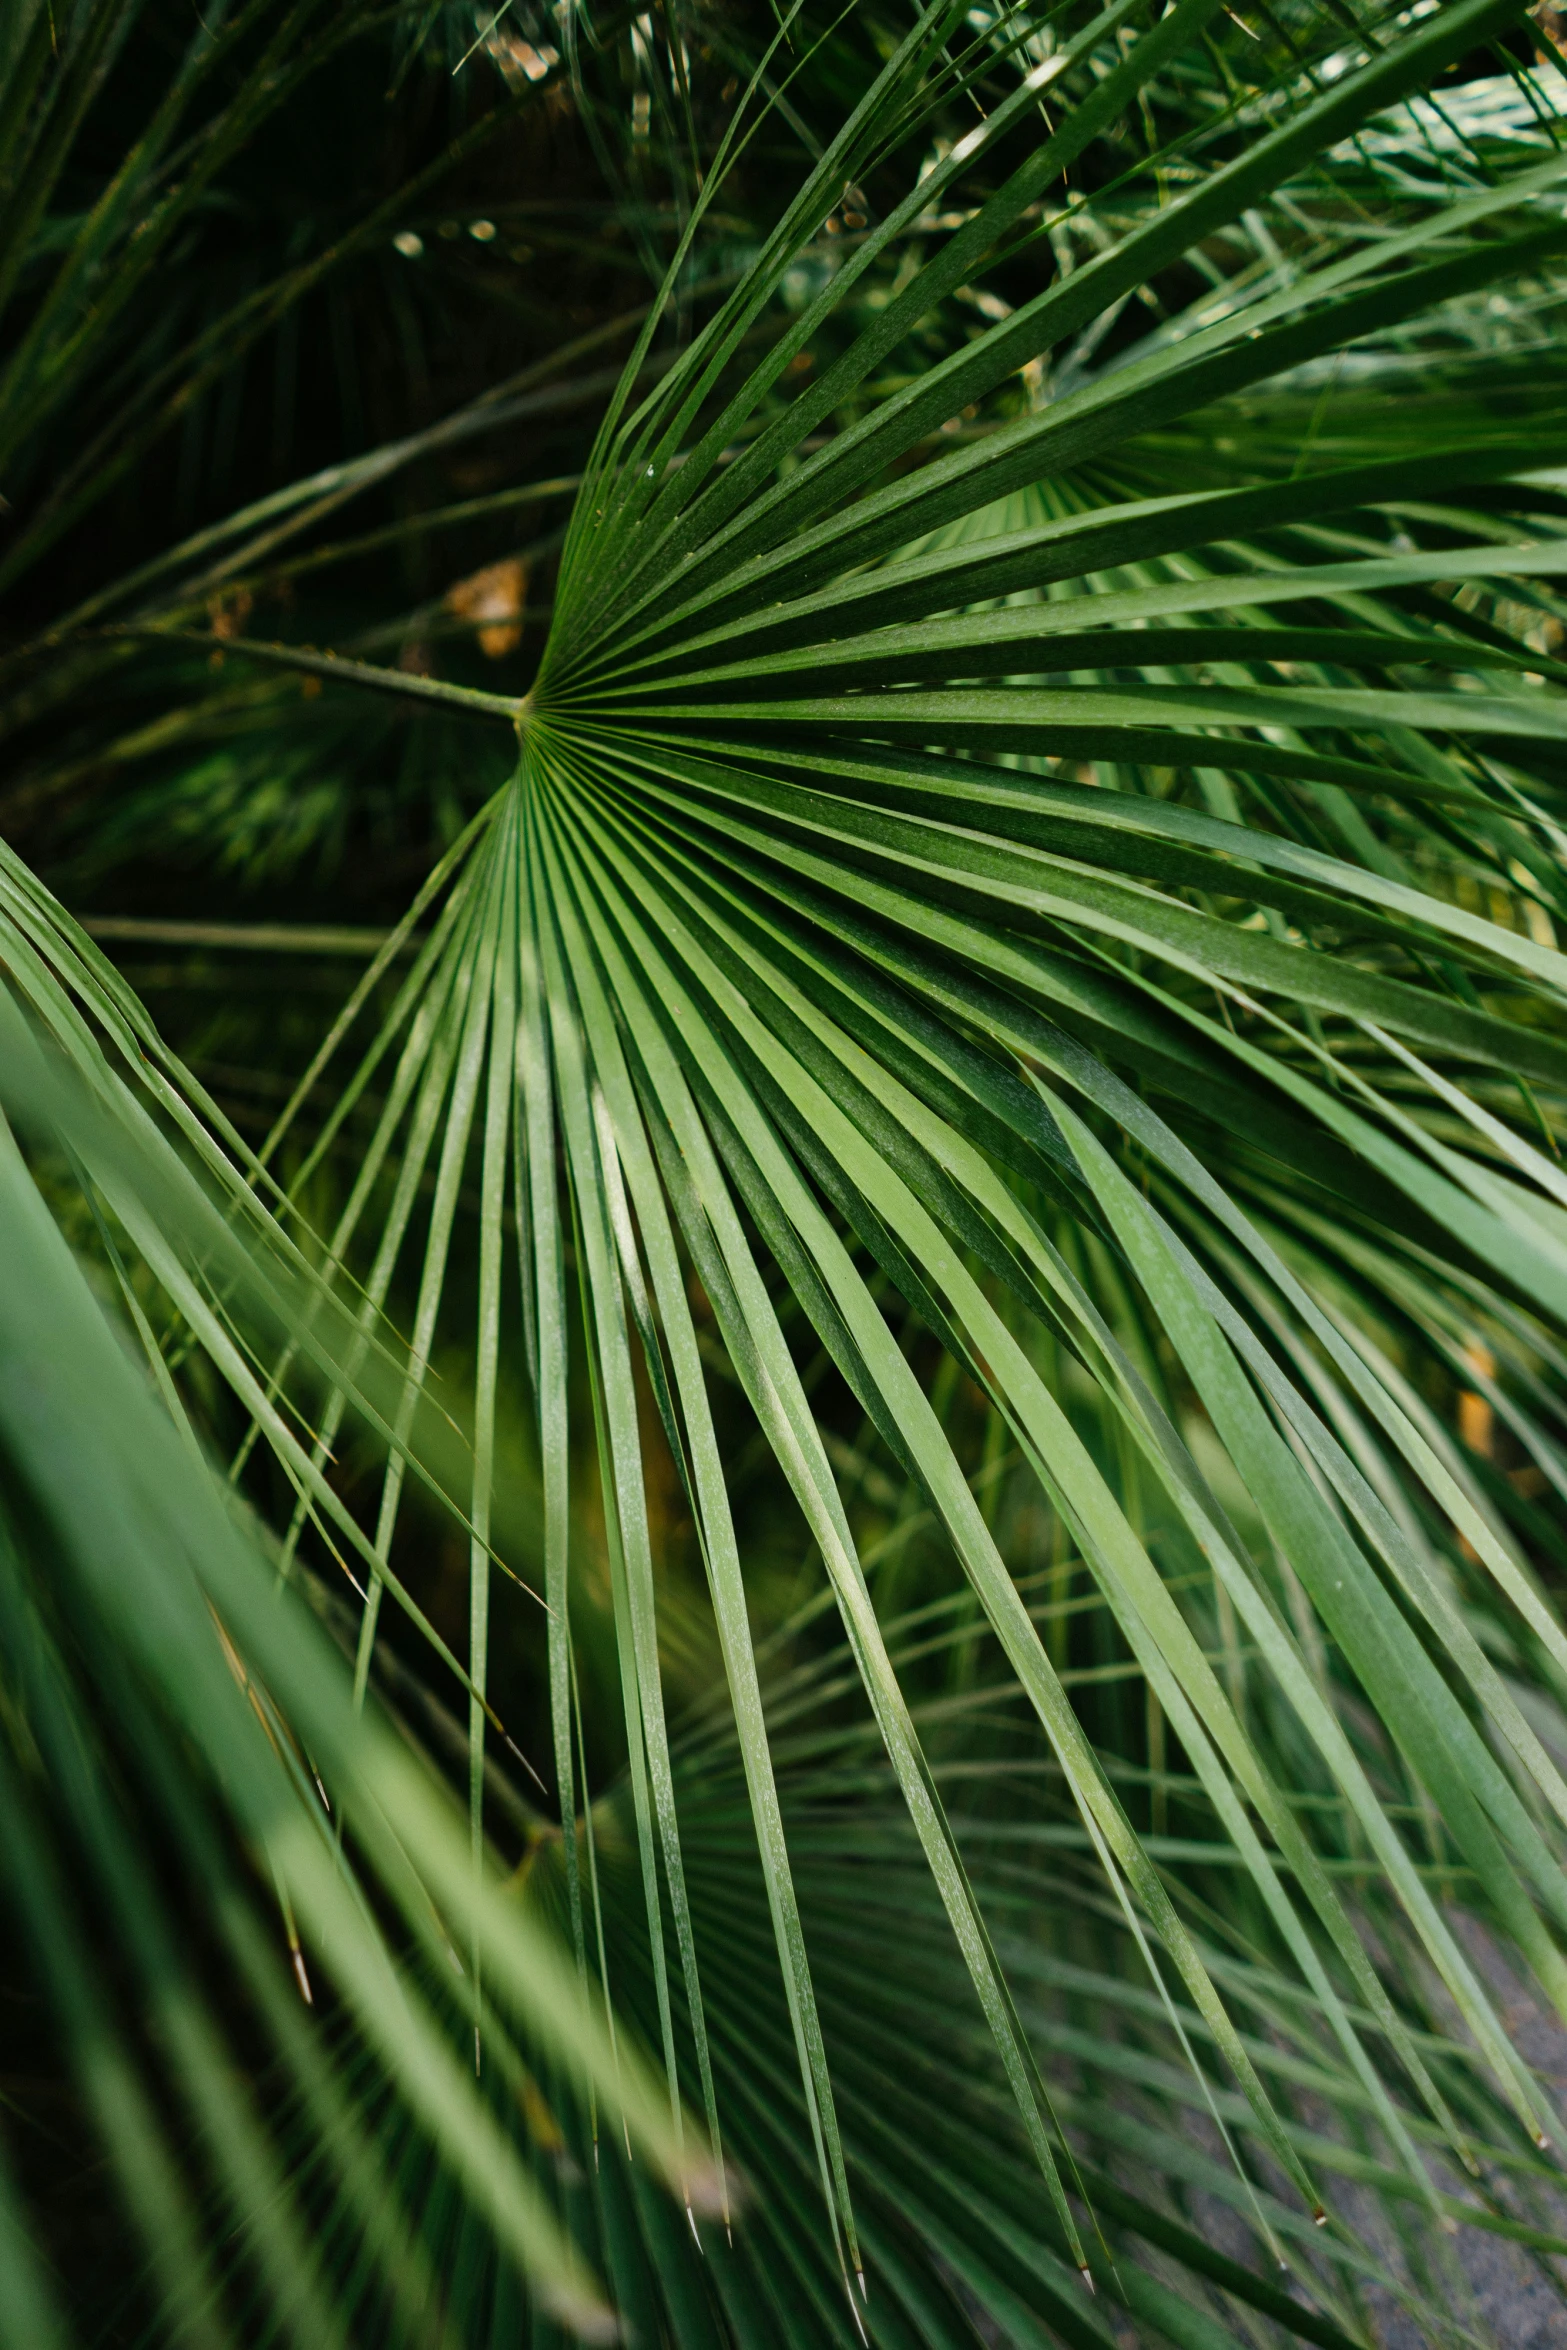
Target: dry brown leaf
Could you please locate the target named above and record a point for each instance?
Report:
(1476, 1420)
(494, 597)
(229, 612)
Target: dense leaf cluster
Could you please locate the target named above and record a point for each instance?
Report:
(910, 1320)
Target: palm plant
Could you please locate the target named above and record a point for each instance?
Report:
(1055, 1107)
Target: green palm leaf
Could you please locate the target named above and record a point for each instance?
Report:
(1148, 1012)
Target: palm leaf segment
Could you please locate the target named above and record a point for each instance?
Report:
(751, 971)
(799, 941)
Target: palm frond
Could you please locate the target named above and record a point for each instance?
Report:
(1120, 1038)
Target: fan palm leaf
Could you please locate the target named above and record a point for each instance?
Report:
(1148, 1005)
